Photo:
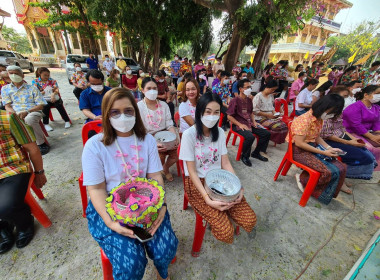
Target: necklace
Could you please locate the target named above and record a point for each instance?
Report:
(150, 117)
(126, 165)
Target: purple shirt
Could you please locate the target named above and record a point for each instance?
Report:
(297, 85)
(241, 110)
(357, 118)
(214, 82)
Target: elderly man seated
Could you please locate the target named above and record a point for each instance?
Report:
(4, 80)
(25, 100)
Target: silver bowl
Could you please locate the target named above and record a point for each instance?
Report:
(166, 138)
(222, 185)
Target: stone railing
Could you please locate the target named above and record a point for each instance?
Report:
(327, 22)
(292, 47)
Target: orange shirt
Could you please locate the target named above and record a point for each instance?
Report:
(306, 125)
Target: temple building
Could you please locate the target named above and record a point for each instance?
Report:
(294, 47)
(46, 42)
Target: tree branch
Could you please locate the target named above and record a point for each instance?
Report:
(212, 5)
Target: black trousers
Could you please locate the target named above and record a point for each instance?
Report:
(13, 209)
(175, 80)
(249, 138)
(77, 91)
(171, 108)
(224, 111)
(57, 104)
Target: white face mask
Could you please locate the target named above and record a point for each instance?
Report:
(201, 77)
(107, 59)
(247, 91)
(15, 78)
(123, 123)
(129, 72)
(161, 80)
(209, 120)
(376, 98)
(142, 75)
(120, 57)
(304, 78)
(78, 69)
(200, 64)
(279, 67)
(176, 58)
(97, 88)
(326, 116)
(151, 94)
(355, 90)
(226, 81)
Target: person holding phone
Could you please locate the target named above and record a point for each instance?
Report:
(203, 148)
(360, 162)
(124, 141)
(266, 115)
(306, 138)
(362, 119)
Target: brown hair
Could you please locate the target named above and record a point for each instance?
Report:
(109, 98)
(338, 89)
(113, 72)
(191, 80)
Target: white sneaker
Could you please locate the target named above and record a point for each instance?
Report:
(299, 184)
(48, 127)
(67, 124)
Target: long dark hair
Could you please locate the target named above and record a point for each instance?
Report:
(324, 87)
(367, 90)
(329, 101)
(310, 82)
(200, 110)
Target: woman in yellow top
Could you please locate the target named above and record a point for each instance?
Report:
(295, 73)
(141, 77)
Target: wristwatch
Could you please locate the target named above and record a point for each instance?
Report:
(39, 172)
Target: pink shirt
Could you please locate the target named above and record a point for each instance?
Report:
(297, 85)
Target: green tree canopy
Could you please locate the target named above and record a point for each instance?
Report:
(22, 44)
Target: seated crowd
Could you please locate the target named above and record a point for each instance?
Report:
(340, 118)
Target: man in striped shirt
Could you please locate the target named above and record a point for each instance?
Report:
(17, 140)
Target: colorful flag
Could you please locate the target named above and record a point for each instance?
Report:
(211, 57)
(319, 52)
(363, 59)
(351, 59)
(306, 55)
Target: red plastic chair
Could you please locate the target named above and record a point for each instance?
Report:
(35, 208)
(278, 102)
(200, 224)
(241, 141)
(53, 106)
(97, 127)
(176, 118)
(287, 162)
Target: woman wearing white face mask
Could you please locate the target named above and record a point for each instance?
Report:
(156, 117)
(201, 79)
(362, 119)
(203, 148)
(297, 86)
(78, 79)
(129, 81)
(311, 150)
(360, 162)
(164, 92)
(124, 142)
(265, 114)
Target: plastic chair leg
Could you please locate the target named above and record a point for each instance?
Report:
(36, 209)
(185, 201)
(51, 116)
(198, 235)
(240, 149)
(234, 140)
(178, 169)
(37, 191)
(280, 168)
(310, 186)
(237, 230)
(106, 265)
(83, 195)
(287, 166)
(174, 260)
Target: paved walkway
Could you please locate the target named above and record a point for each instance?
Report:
(287, 234)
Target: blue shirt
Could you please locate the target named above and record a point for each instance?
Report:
(93, 63)
(91, 100)
(175, 65)
(249, 70)
(222, 91)
(235, 87)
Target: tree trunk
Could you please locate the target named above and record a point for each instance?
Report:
(147, 60)
(262, 53)
(235, 47)
(64, 30)
(156, 53)
(94, 45)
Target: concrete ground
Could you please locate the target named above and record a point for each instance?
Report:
(287, 234)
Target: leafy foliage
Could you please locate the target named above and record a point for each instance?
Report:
(22, 42)
(362, 37)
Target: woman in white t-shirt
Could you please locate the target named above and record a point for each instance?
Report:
(156, 117)
(203, 148)
(304, 98)
(321, 91)
(187, 108)
(124, 151)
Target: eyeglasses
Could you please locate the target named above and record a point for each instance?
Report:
(115, 114)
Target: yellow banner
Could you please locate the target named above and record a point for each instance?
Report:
(351, 59)
(274, 59)
(363, 59)
(306, 55)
